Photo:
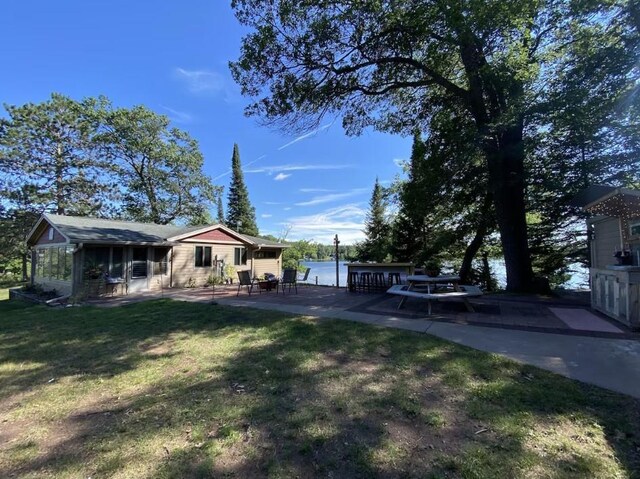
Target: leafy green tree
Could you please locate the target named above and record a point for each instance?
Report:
(240, 214)
(48, 158)
(391, 65)
(297, 251)
(376, 246)
(159, 168)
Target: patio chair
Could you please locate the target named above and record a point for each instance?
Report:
(304, 278)
(289, 277)
(244, 279)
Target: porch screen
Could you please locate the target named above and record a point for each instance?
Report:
(139, 263)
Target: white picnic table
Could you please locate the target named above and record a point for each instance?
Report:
(453, 289)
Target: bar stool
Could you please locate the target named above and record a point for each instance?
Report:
(378, 281)
(353, 281)
(365, 281)
(394, 278)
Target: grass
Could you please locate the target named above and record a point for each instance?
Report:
(172, 389)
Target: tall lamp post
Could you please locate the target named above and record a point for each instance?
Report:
(337, 242)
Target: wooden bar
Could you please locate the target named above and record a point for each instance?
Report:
(405, 269)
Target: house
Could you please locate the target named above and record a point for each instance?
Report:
(76, 255)
(614, 244)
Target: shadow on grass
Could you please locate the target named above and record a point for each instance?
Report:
(249, 393)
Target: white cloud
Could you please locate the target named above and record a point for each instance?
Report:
(313, 190)
(229, 170)
(271, 203)
(265, 216)
(281, 176)
(318, 200)
(280, 168)
(346, 221)
(178, 116)
(306, 135)
(199, 81)
(287, 208)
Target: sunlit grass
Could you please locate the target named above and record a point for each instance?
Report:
(172, 389)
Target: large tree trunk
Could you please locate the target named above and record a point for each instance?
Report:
(476, 243)
(506, 180)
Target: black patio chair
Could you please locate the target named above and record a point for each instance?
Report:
(290, 278)
(244, 279)
(304, 278)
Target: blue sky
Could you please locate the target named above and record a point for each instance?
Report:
(173, 57)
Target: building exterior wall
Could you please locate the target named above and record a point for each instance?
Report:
(214, 235)
(183, 263)
(606, 240)
(43, 239)
(268, 265)
(48, 281)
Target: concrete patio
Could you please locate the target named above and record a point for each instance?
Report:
(558, 334)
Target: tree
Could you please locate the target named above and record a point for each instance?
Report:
(376, 246)
(240, 214)
(48, 159)
(220, 217)
(159, 168)
(391, 64)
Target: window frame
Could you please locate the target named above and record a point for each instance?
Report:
(240, 256)
(201, 257)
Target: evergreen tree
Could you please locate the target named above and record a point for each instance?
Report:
(376, 246)
(48, 159)
(241, 216)
(158, 167)
(220, 217)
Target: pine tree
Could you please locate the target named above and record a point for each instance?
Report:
(220, 217)
(241, 215)
(376, 246)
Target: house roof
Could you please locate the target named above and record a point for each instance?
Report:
(77, 229)
(619, 202)
(257, 241)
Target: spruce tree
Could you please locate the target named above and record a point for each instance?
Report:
(241, 215)
(220, 218)
(376, 246)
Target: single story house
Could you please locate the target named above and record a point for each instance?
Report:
(72, 254)
(614, 244)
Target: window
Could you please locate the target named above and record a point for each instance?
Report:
(55, 263)
(50, 234)
(46, 271)
(634, 229)
(117, 254)
(139, 263)
(160, 261)
(203, 256)
(68, 262)
(239, 256)
(40, 263)
(265, 255)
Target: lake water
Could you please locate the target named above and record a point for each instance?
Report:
(324, 273)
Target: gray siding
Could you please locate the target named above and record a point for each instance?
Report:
(606, 241)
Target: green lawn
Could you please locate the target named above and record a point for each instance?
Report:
(171, 389)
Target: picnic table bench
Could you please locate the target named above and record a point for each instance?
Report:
(463, 291)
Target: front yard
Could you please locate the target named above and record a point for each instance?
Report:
(172, 389)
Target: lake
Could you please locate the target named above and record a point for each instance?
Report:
(324, 273)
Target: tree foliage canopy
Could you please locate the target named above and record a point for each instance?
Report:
(241, 215)
(498, 66)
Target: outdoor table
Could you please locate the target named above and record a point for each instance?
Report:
(430, 281)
